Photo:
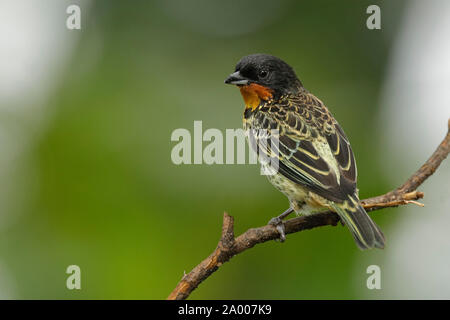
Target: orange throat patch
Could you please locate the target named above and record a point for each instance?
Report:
(253, 94)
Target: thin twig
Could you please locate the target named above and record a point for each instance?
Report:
(229, 246)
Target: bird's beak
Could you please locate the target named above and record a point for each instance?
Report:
(237, 79)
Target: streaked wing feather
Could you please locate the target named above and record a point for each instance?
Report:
(299, 159)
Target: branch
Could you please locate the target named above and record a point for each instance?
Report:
(229, 246)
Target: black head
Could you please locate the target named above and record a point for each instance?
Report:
(265, 70)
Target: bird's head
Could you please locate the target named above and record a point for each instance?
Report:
(262, 76)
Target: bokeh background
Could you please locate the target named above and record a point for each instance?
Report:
(86, 117)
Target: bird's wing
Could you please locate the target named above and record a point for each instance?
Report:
(311, 146)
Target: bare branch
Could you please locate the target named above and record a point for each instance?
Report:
(230, 246)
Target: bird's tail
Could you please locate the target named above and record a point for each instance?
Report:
(366, 233)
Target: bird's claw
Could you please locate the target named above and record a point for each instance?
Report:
(279, 224)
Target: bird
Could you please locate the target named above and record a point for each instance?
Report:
(315, 165)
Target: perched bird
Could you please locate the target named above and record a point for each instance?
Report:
(316, 167)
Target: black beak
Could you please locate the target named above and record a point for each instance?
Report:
(236, 78)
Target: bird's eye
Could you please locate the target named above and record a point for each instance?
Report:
(263, 73)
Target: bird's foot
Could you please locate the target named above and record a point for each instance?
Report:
(279, 224)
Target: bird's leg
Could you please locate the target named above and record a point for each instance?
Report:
(278, 223)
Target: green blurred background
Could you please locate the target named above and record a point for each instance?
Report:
(93, 183)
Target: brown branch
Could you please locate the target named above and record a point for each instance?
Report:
(229, 246)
